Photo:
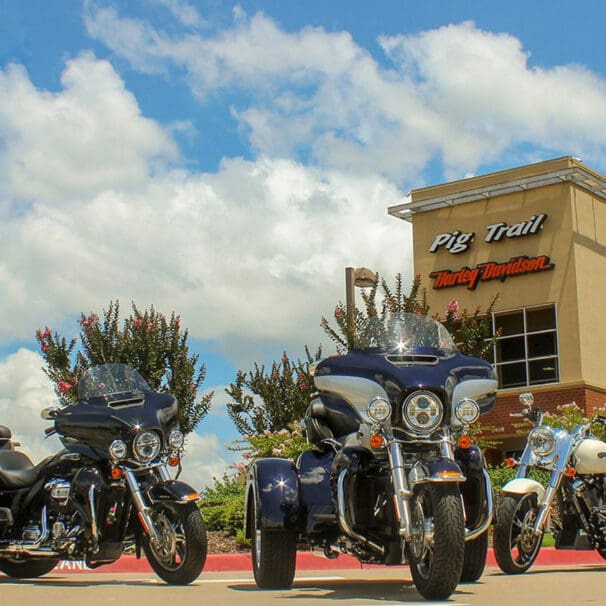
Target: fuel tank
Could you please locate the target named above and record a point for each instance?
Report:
(590, 457)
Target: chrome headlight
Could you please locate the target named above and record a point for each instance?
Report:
(379, 409)
(542, 441)
(118, 450)
(146, 446)
(467, 411)
(176, 439)
(422, 411)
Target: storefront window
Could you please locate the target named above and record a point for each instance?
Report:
(526, 347)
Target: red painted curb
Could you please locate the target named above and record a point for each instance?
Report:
(241, 562)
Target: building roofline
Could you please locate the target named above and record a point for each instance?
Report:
(531, 176)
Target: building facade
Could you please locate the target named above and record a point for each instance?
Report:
(534, 237)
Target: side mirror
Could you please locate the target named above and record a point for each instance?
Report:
(49, 413)
(526, 399)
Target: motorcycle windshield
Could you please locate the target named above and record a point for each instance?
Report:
(406, 333)
(109, 379)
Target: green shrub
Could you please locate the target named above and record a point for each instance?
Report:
(222, 504)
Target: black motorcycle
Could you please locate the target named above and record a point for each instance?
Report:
(386, 481)
(109, 489)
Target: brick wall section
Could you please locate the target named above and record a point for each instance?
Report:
(586, 398)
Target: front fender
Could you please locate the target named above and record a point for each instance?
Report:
(272, 488)
(173, 491)
(524, 486)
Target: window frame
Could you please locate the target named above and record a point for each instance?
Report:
(526, 360)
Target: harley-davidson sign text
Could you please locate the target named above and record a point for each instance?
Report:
(484, 272)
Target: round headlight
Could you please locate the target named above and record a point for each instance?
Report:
(118, 450)
(541, 441)
(176, 438)
(422, 411)
(467, 411)
(379, 410)
(146, 446)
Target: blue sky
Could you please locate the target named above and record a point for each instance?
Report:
(228, 160)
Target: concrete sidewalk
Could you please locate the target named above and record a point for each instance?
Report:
(233, 562)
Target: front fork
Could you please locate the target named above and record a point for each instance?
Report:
(143, 510)
(403, 488)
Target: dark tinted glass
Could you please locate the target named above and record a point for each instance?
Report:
(510, 349)
(509, 324)
(540, 319)
(542, 344)
(512, 375)
(543, 371)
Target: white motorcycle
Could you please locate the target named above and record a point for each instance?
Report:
(575, 493)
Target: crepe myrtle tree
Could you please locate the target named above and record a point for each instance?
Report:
(146, 340)
(472, 330)
(266, 401)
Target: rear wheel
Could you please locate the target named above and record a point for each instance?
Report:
(274, 554)
(475, 558)
(179, 556)
(516, 546)
(27, 568)
(437, 547)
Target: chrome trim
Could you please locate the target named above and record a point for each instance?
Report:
(140, 505)
(401, 488)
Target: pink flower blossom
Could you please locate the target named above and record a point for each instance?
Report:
(64, 386)
(44, 347)
(453, 306)
(276, 452)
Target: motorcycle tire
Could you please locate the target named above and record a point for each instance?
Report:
(274, 555)
(436, 563)
(515, 545)
(474, 560)
(27, 568)
(181, 556)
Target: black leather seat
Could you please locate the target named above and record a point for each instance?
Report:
(329, 418)
(17, 470)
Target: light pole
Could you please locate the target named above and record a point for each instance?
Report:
(362, 277)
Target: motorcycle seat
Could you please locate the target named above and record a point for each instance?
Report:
(17, 470)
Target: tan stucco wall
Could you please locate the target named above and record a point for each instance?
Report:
(555, 239)
(589, 223)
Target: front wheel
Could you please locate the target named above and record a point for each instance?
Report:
(179, 556)
(437, 547)
(27, 568)
(516, 545)
(274, 554)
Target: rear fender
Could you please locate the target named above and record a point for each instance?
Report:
(272, 488)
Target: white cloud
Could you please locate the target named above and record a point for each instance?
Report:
(255, 251)
(203, 460)
(25, 390)
(456, 93)
(85, 139)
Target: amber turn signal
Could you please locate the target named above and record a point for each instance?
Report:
(465, 442)
(510, 462)
(116, 473)
(376, 441)
(571, 472)
(173, 461)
